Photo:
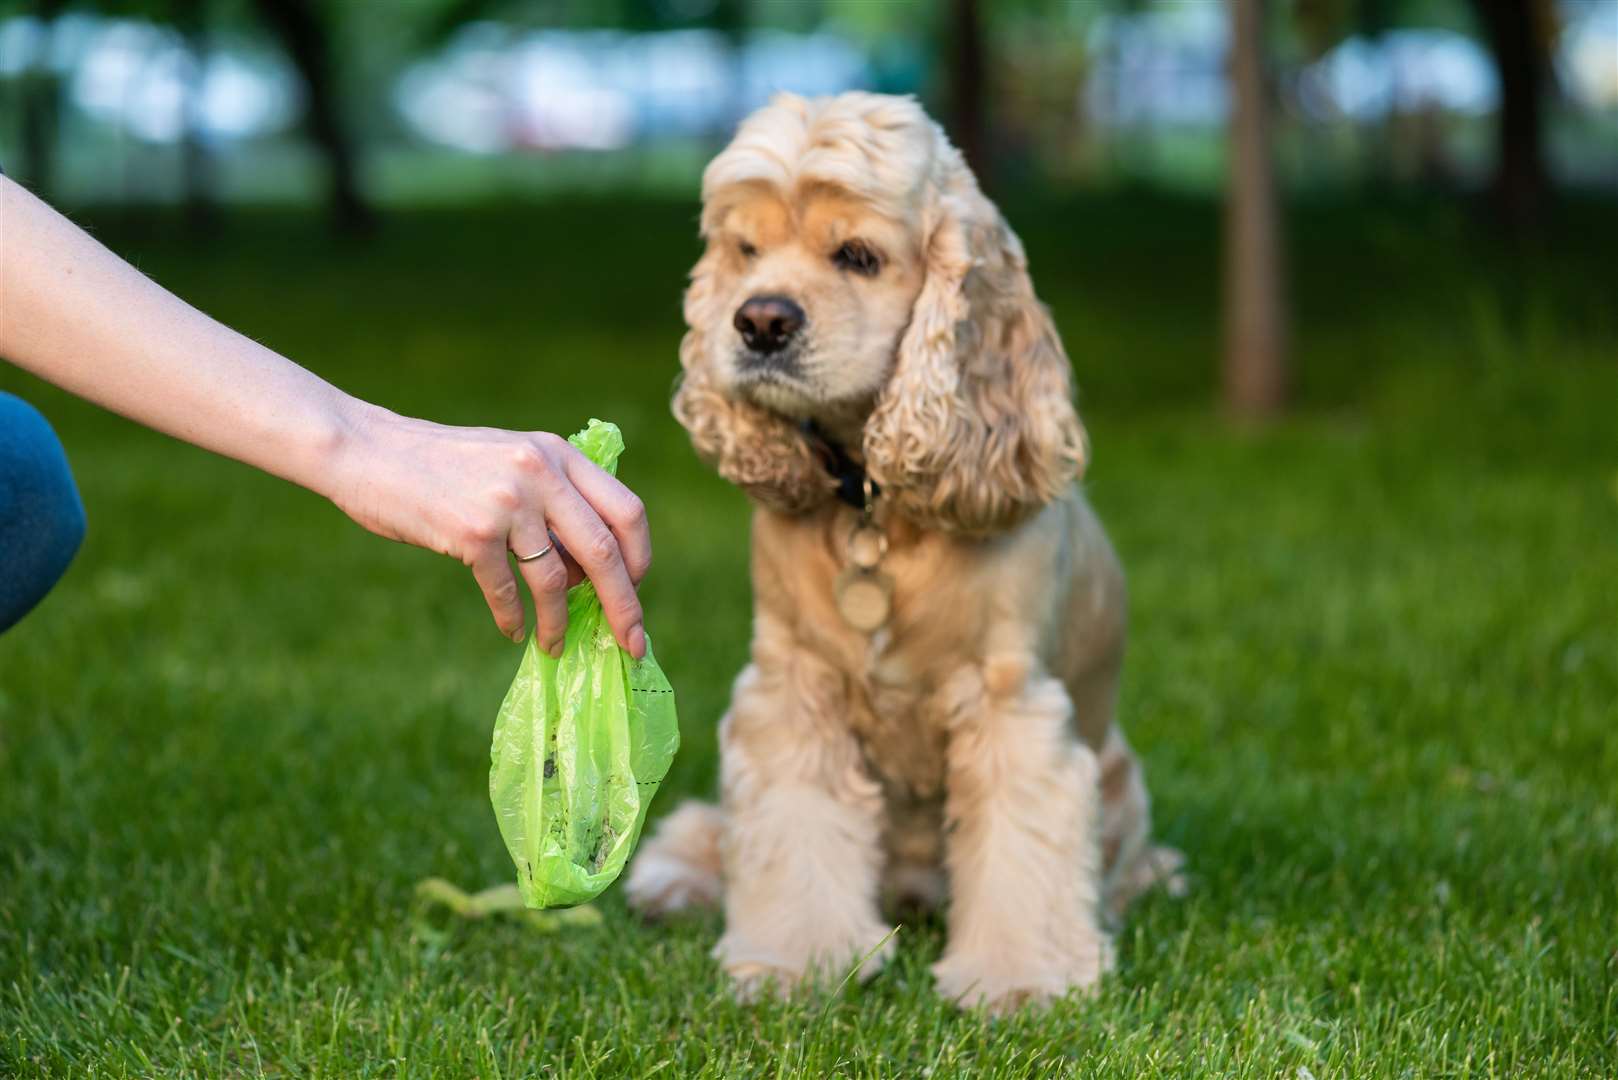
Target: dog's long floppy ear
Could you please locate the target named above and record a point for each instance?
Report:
(976, 428)
(758, 451)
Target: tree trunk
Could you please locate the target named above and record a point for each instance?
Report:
(968, 87)
(308, 42)
(196, 158)
(1518, 48)
(1255, 360)
(730, 19)
(41, 111)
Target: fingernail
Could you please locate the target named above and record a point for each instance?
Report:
(637, 642)
(518, 634)
(555, 651)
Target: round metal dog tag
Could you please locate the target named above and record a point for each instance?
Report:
(866, 546)
(864, 599)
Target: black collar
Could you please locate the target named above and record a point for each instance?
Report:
(849, 474)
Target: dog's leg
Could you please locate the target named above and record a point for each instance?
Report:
(802, 833)
(1134, 864)
(1091, 665)
(678, 867)
(1024, 852)
(913, 881)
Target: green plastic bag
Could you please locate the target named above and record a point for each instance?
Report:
(580, 745)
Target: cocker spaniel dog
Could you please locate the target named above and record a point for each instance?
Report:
(939, 618)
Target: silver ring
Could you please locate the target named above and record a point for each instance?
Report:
(541, 553)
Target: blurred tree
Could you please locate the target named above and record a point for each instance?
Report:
(729, 17)
(1255, 345)
(1041, 123)
(303, 27)
(41, 106)
(968, 86)
(1520, 36)
(1518, 33)
(952, 47)
(191, 19)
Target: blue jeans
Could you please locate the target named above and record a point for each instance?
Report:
(41, 517)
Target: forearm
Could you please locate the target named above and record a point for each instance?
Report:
(77, 316)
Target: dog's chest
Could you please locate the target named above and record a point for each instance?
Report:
(893, 673)
(896, 672)
(896, 723)
(901, 752)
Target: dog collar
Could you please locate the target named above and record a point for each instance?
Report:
(850, 475)
(864, 592)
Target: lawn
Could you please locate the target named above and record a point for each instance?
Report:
(1373, 676)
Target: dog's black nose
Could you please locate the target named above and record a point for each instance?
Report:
(767, 323)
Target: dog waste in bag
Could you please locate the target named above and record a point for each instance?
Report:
(580, 745)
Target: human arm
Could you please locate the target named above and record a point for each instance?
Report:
(76, 315)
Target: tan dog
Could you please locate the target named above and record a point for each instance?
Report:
(934, 717)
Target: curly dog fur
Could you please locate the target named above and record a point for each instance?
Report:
(966, 751)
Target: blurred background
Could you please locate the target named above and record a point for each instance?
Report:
(372, 109)
(391, 103)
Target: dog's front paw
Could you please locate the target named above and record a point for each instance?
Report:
(678, 868)
(757, 971)
(1003, 982)
(752, 983)
(1156, 867)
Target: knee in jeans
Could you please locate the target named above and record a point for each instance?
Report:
(69, 525)
(42, 522)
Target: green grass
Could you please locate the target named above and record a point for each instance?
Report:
(1373, 676)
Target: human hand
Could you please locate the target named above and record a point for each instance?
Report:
(82, 318)
(476, 493)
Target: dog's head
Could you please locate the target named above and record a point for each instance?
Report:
(855, 276)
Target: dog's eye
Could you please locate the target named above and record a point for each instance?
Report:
(747, 250)
(857, 257)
